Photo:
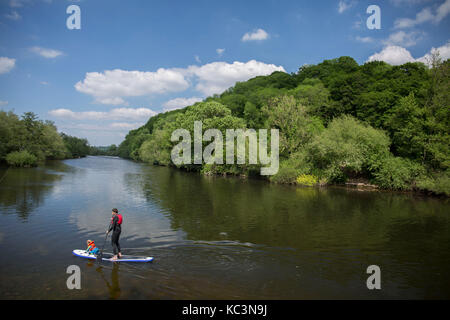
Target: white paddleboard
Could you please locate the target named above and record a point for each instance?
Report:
(108, 257)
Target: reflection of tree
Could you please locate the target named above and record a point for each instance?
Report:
(113, 287)
(253, 211)
(24, 189)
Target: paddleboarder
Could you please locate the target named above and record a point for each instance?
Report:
(116, 228)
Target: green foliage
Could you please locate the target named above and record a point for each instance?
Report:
(291, 118)
(21, 159)
(435, 183)
(348, 146)
(39, 139)
(397, 173)
(388, 124)
(285, 175)
(76, 147)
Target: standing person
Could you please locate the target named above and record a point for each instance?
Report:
(116, 227)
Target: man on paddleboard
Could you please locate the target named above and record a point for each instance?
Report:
(116, 228)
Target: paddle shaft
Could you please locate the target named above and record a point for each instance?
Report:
(99, 257)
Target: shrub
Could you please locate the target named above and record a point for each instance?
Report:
(307, 180)
(285, 175)
(348, 146)
(397, 173)
(21, 159)
(439, 184)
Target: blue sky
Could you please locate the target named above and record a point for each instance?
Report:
(132, 59)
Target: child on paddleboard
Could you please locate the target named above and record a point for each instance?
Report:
(91, 249)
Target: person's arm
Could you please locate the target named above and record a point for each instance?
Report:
(113, 223)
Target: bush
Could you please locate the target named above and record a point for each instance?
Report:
(21, 159)
(397, 173)
(439, 184)
(348, 146)
(285, 175)
(307, 180)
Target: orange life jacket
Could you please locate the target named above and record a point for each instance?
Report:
(92, 245)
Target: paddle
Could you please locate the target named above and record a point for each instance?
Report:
(100, 255)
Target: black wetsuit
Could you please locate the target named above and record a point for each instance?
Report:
(116, 227)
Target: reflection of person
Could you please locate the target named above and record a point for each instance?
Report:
(91, 248)
(116, 227)
(114, 287)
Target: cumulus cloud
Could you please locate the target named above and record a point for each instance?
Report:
(256, 35)
(444, 53)
(6, 64)
(46, 53)
(216, 77)
(405, 39)
(179, 103)
(396, 55)
(111, 86)
(425, 15)
(114, 114)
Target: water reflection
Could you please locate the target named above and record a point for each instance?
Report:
(112, 285)
(22, 190)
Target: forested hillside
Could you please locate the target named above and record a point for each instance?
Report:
(338, 121)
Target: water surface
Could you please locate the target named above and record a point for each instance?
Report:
(215, 237)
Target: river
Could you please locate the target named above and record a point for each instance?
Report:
(214, 237)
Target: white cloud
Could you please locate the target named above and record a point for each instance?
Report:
(6, 64)
(216, 77)
(44, 83)
(425, 15)
(364, 39)
(114, 114)
(110, 86)
(396, 55)
(220, 51)
(197, 58)
(345, 5)
(256, 35)
(46, 53)
(444, 53)
(126, 125)
(3, 103)
(405, 39)
(13, 16)
(179, 103)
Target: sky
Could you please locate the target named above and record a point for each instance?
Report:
(130, 60)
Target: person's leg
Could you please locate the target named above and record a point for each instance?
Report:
(118, 245)
(114, 240)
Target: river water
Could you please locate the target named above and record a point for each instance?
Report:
(214, 237)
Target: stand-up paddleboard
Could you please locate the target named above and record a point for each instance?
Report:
(108, 256)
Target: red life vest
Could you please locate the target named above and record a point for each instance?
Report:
(92, 245)
(120, 219)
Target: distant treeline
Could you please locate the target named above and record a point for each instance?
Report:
(338, 121)
(104, 151)
(26, 141)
